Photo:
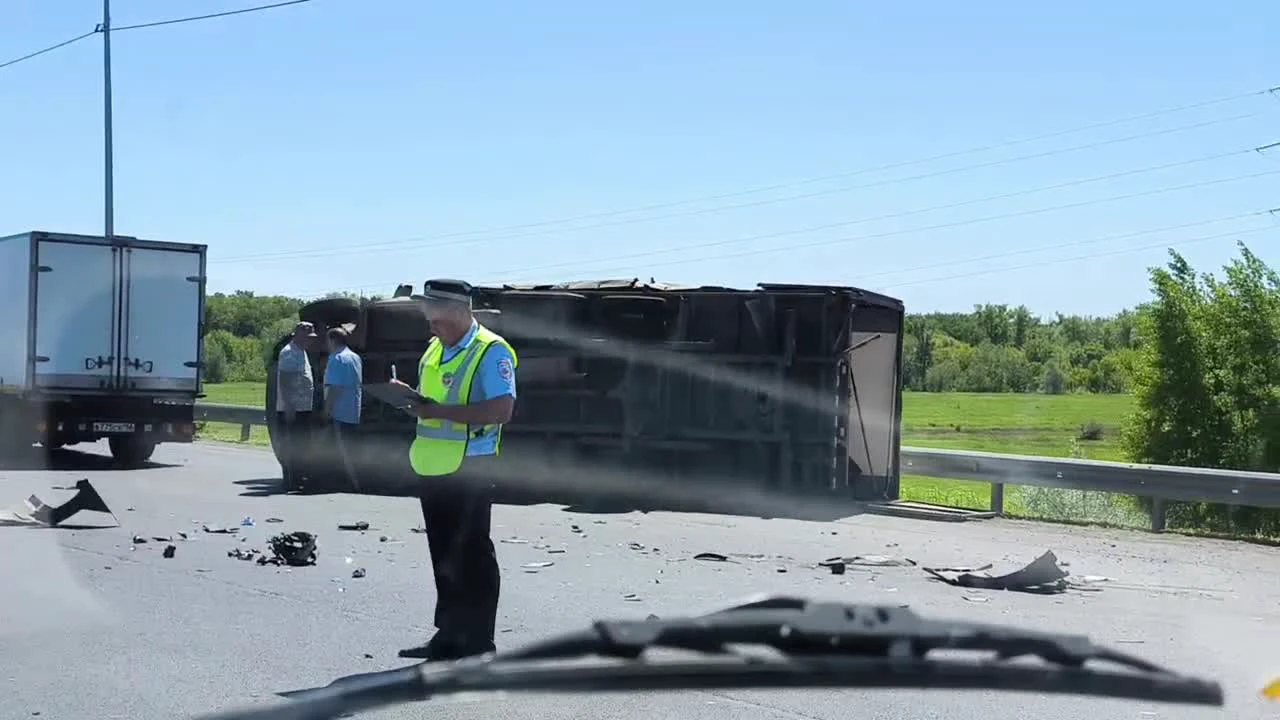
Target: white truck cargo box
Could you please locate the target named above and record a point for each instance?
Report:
(86, 314)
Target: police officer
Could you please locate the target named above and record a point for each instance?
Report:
(468, 375)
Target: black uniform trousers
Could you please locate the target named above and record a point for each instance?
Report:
(457, 511)
(295, 445)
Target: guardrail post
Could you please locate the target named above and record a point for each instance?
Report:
(244, 432)
(997, 498)
(1157, 515)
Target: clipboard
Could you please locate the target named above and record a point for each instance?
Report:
(397, 396)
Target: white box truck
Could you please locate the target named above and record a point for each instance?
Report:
(99, 339)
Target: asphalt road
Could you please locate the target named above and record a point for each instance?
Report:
(92, 625)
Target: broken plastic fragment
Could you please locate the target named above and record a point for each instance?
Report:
(86, 498)
(1043, 575)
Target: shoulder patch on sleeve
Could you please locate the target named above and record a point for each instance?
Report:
(505, 370)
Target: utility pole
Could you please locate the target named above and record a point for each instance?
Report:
(108, 185)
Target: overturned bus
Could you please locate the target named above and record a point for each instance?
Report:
(650, 396)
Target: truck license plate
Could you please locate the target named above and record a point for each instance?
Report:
(113, 427)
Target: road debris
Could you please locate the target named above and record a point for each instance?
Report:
(870, 561)
(538, 565)
(358, 573)
(711, 557)
(85, 499)
(274, 520)
(296, 549)
(835, 565)
(1043, 575)
(219, 530)
(170, 550)
(358, 526)
(139, 540)
(631, 597)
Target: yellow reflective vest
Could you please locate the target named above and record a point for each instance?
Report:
(441, 445)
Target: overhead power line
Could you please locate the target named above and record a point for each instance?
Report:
(1025, 251)
(49, 49)
(1070, 244)
(895, 215)
(140, 26)
(944, 226)
(629, 270)
(210, 16)
(837, 176)
(1078, 258)
(426, 244)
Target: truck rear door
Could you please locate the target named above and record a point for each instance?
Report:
(163, 310)
(75, 315)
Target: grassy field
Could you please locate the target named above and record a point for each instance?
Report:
(1049, 425)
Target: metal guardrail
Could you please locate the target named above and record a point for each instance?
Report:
(1160, 483)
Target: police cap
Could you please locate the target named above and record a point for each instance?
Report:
(447, 291)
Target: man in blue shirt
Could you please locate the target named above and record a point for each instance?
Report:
(343, 394)
(457, 505)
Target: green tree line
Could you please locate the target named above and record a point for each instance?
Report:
(995, 348)
(1201, 359)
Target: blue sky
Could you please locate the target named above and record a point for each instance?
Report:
(290, 140)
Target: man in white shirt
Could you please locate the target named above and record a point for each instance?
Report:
(295, 396)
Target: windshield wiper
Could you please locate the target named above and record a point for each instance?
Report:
(813, 644)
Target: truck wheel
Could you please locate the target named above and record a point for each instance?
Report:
(131, 450)
(330, 312)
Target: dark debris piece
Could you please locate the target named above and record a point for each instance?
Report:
(169, 550)
(358, 526)
(86, 498)
(295, 548)
(1044, 576)
(358, 573)
(138, 540)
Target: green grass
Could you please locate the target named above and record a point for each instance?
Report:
(238, 393)
(241, 393)
(1046, 425)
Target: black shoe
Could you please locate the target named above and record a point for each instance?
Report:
(437, 649)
